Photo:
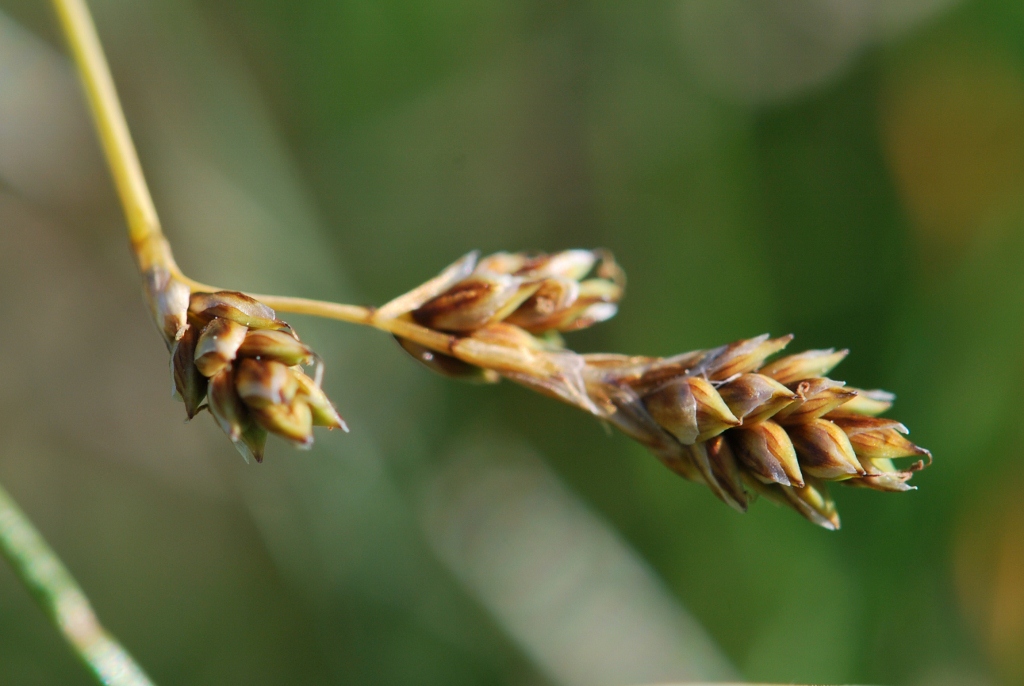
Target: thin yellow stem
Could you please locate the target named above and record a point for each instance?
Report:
(356, 314)
(140, 212)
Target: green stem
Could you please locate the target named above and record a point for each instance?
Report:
(48, 579)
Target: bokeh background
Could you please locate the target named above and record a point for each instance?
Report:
(851, 171)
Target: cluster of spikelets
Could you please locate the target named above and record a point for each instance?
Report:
(234, 357)
(726, 417)
(729, 417)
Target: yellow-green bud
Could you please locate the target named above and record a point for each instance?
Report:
(218, 345)
(261, 383)
(824, 450)
(815, 398)
(754, 397)
(280, 346)
(768, 452)
(805, 365)
(293, 422)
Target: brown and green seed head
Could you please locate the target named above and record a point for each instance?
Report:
(246, 365)
(726, 418)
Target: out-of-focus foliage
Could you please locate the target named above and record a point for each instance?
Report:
(851, 171)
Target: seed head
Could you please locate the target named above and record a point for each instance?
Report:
(794, 430)
(728, 417)
(538, 293)
(246, 364)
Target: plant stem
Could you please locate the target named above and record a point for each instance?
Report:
(42, 572)
(356, 314)
(147, 239)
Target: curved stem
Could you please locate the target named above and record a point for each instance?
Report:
(354, 314)
(366, 316)
(140, 212)
(42, 572)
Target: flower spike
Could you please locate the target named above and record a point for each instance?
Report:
(246, 363)
(728, 417)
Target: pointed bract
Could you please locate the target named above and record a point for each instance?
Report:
(218, 345)
(824, 450)
(169, 297)
(727, 472)
(189, 384)
(755, 397)
(767, 452)
(744, 356)
(869, 403)
(674, 408)
(262, 383)
(805, 365)
(322, 410)
(238, 307)
(280, 346)
(816, 397)
(225, 405)
(474, 303)
(884, 443)
(293, 422)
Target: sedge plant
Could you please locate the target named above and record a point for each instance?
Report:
(739, 418)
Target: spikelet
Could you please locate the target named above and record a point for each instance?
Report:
(246, 365)
(727, 417)
(788, 428)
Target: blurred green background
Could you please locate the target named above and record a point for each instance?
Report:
(851, 171)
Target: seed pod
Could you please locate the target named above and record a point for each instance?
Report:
(753, 397)
(884, 443)
(169, 299)
(674, 408)
(320, 407)
(816, 397)
(474, 302)
(225, 405)
(261, 383)
(744, 356)
(814, 502)
(824, 450)
(550, 301)
(805, 365)
(684, 402)
(698, 453)
(767, 451)
(279, 346)
(568, 264)
(853, 424)
(504, 263)
(293, 422)
(253, 442)
(447, 365)
(883, 476)
(713, 415)
(869, 402)
(726, 472)
(218, 345)
(595, 303)
(189, 384)
(237, 307)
